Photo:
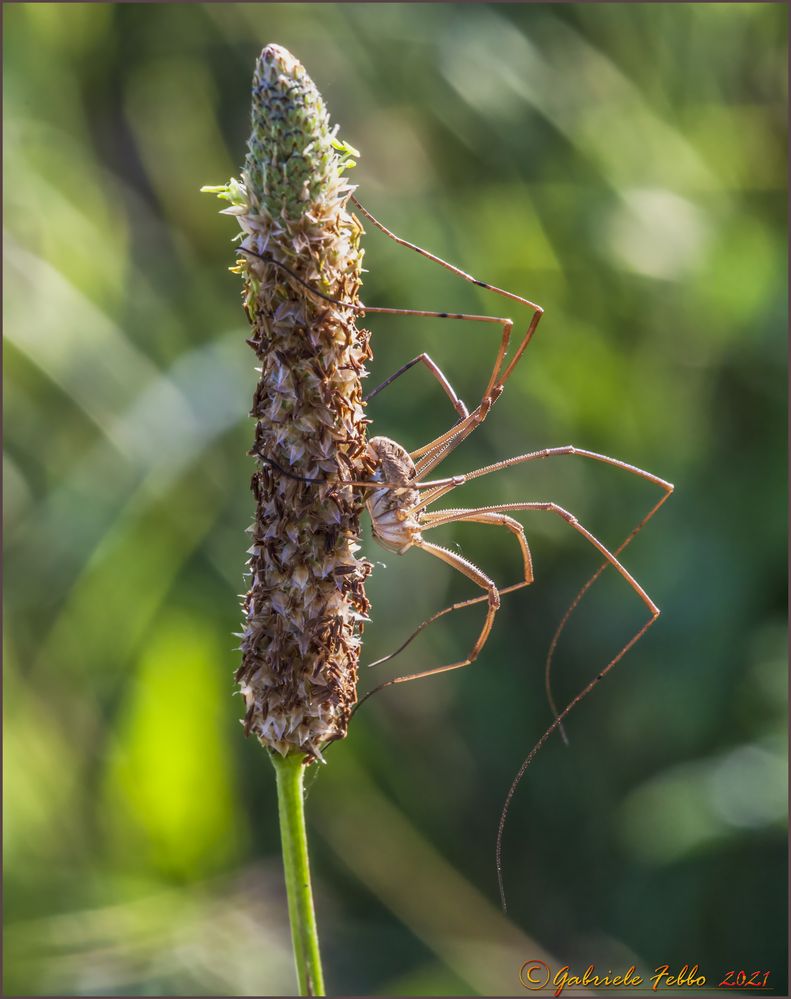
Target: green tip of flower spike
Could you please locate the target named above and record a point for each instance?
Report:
(293, 155)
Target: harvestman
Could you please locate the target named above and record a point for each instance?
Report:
(401, 494)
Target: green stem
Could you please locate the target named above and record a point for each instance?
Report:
(304, 935)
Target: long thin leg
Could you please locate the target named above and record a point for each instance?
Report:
(570, 519)
(443, 517)
(436, 371)
(493, 596)
(654, 612)
(550, 507)
(439, 487)
(568, 449)
(440, 517)
(506, 324)
(470, 514)
(576, 601)
(539, 745)
(437, 450)
(457, 434)
(269, 259)
(440, 484)
(549, 452)
(443, 263)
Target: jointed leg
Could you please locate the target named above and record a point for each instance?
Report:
(269, 259)
(580, 594)
(558, 722)
(506, 324)
(550, 507)
(443, 263)
(540, 744)
(457, 434)
(439, 487)
(569, 449)
(549, 452)
(437, 450)
(443, 517)
(492, 596)
(654, 612)
(494, 515)
(436, 371)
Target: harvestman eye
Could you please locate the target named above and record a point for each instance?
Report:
(400, 494)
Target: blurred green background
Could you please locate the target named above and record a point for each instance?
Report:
(623, 165)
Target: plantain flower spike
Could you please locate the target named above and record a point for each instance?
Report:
(306, 606)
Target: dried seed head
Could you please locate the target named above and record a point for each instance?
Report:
(306, 605)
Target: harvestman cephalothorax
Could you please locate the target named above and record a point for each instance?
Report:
(401, 493)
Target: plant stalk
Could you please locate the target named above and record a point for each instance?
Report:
(290, 771)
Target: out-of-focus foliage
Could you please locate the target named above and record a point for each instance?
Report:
(624, 165)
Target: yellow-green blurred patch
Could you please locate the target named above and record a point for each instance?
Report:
(169, 789)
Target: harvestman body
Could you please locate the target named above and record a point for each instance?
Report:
(401, 493)
(394, 527)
